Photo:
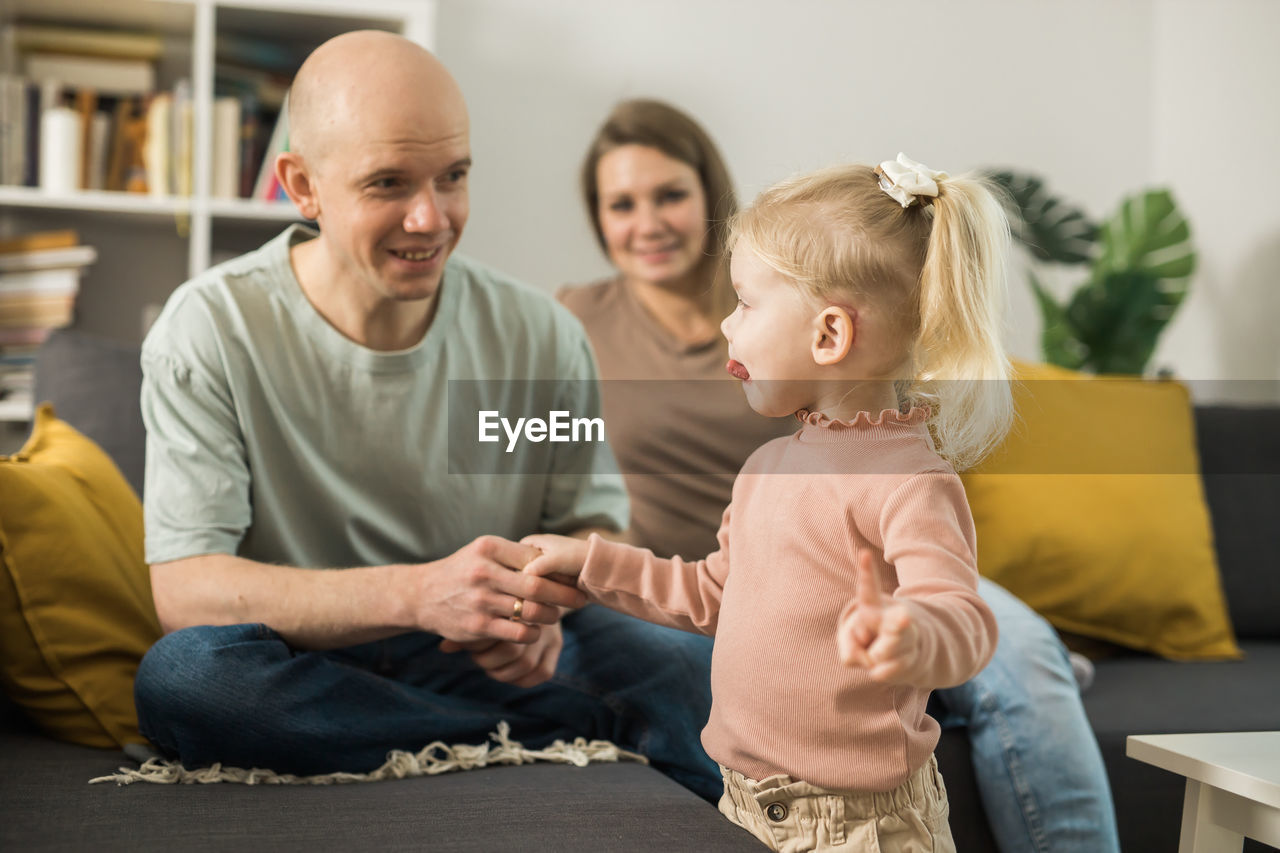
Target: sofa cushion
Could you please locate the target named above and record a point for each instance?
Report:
(76, 614)
(1240, 458)
(95, 384)
(1092, 512)
(1139, 694)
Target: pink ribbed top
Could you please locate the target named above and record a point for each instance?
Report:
(783, 581)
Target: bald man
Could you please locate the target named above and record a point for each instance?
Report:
(296, 399)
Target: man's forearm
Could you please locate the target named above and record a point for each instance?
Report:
(310, 608)
(469, 595)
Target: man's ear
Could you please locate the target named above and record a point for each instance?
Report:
(295, 178)
(833, 332)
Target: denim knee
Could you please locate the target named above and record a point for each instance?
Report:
(1029, 650)
(1029, 672)
(183, 666)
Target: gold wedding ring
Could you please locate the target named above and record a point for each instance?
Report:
(518, 609)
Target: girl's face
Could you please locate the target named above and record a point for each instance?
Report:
(653, 214)
(770, 335)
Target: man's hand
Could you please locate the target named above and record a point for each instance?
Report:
(521, 664)
(876, 632)
(561, 556)
(479, 592)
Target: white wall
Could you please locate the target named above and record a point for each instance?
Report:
(1215, 138)
(1100, 97)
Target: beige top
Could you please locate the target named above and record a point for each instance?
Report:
(678, 424)
(783, 583)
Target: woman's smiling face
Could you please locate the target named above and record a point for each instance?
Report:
(653, 215)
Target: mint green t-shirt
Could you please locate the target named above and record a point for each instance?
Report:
(272, 436)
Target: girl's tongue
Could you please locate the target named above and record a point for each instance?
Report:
(737, 369)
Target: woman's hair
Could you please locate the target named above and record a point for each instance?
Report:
(657, 125)
(934, 269)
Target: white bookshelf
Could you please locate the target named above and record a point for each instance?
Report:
(248, 210)
(94, 201)
(148, 245)
(192, 27)
(139, 204)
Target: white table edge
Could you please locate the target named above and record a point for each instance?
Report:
(1161, 751)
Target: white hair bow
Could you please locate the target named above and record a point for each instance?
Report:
(904, 179)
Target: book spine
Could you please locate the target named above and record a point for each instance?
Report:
(44, 259)
(54, 281)
(86, 106)
(156, 144)
(89, 42)
(99, 137)
(22, 336)
(64, 238)
(279, 142)
(31, 113)
(250, 144)
(226, 147)
(13, 132)
(116, 76)
(60, 139)
(48, 312)
(181, 143)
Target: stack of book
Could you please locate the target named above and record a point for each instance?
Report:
(251, 81)
(39, 279)
(84, 111)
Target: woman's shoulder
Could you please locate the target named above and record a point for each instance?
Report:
(590, 300)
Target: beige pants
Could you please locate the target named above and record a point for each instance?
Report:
(795, 816)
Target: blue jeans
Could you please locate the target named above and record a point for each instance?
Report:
(1041, 776)
(240, 695)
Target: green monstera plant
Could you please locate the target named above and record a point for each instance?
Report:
(1139, 267)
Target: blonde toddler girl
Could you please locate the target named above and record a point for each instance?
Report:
(844, 588)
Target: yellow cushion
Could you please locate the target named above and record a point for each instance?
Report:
(1092, 512)
(76, 613)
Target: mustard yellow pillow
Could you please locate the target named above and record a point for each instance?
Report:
(1092, 512)
(76, 613)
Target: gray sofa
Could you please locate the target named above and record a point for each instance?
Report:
(45, 803)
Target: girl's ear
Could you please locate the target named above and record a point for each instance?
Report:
(834, 330)
(294, 177)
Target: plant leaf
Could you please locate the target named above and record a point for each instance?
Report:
(1050, 228)
(1149, 233)
(1058, 339)
(1137, 283)
(1119, 318)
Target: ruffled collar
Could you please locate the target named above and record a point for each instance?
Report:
(863, 420)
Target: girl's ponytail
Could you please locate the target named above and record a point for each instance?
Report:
(959, 364)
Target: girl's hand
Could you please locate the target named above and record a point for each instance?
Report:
(521, 664)
(876, 632)
(561, 555)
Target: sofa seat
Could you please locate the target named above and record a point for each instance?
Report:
(46, 804)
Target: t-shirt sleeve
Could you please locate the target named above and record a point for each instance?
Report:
(196, 491)
(586, 488)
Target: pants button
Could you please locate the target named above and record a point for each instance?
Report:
(776, 812)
